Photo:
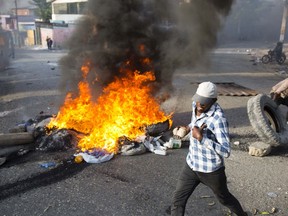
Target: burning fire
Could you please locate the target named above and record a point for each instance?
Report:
(124, 109)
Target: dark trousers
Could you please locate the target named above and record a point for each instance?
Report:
(190, 179)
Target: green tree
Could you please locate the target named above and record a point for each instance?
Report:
(44, 9)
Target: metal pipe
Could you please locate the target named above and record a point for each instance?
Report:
(17, 24)
(283, 25)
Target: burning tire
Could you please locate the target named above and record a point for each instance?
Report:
(267, 120)
(157, 129)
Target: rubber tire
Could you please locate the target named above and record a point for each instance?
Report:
(266, 59)
(158, 128)
(260, 108)
(282, 59)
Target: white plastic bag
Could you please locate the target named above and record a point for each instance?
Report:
(93, 159)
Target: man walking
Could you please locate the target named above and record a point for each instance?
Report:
(209, 145)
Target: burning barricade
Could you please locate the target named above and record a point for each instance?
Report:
(124, 120)
(155, 138)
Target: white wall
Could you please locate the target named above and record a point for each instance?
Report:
(67, 18)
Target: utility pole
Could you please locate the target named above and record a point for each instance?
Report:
(17, 25)
(283, 25)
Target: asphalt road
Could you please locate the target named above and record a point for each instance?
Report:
(142, 184)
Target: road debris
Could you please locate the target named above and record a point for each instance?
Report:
(272, 194)
(96, 156)
(211, 203)
(78, 159)
(259, 149)
(271, 211)
(48, 165)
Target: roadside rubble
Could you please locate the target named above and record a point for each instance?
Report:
(259, 149)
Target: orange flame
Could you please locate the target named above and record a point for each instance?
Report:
(125, 106)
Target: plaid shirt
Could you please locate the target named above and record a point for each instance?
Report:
(207, 156)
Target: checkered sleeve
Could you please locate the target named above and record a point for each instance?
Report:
(221, 142)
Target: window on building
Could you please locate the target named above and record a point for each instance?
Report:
(72, 8)
(69, 8)
(82, 6)
(60, 8)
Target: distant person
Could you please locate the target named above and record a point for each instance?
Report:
(11, 46)
(278, 49)
(209, 145)
(49, 42)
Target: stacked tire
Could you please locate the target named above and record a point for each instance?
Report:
(267, 120)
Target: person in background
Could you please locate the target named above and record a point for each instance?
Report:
(209, 145)
(49, 42)
(278, 49)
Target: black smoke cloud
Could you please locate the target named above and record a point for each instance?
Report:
(174, 33)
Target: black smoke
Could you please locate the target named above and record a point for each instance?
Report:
(174, 34)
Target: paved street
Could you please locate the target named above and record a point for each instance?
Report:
(143, 184)
(29, 86)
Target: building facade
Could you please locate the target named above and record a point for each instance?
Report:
(65, 14)
(18, 17)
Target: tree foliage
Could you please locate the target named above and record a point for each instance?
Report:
(44, 9)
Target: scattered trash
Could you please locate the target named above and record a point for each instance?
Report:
(96, 156)
(264, 213)
(160, 152)
(46, 209)
(48, 164)
(236, 143)
(129, 147)
(272, 211)
(78, 159)
(211, 203)
(176, 143)
(153, 144)
(180, 132)
(173, 143)
(272, 194)
(205, 196)
(168, 145)
(30, 124)
(59, 140)
(134, 148)
(51, 140)
(22, 152)
(141, 144)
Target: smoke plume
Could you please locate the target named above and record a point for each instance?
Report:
(172, 33)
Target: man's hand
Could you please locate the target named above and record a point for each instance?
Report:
(181, 131)
(197, 132)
